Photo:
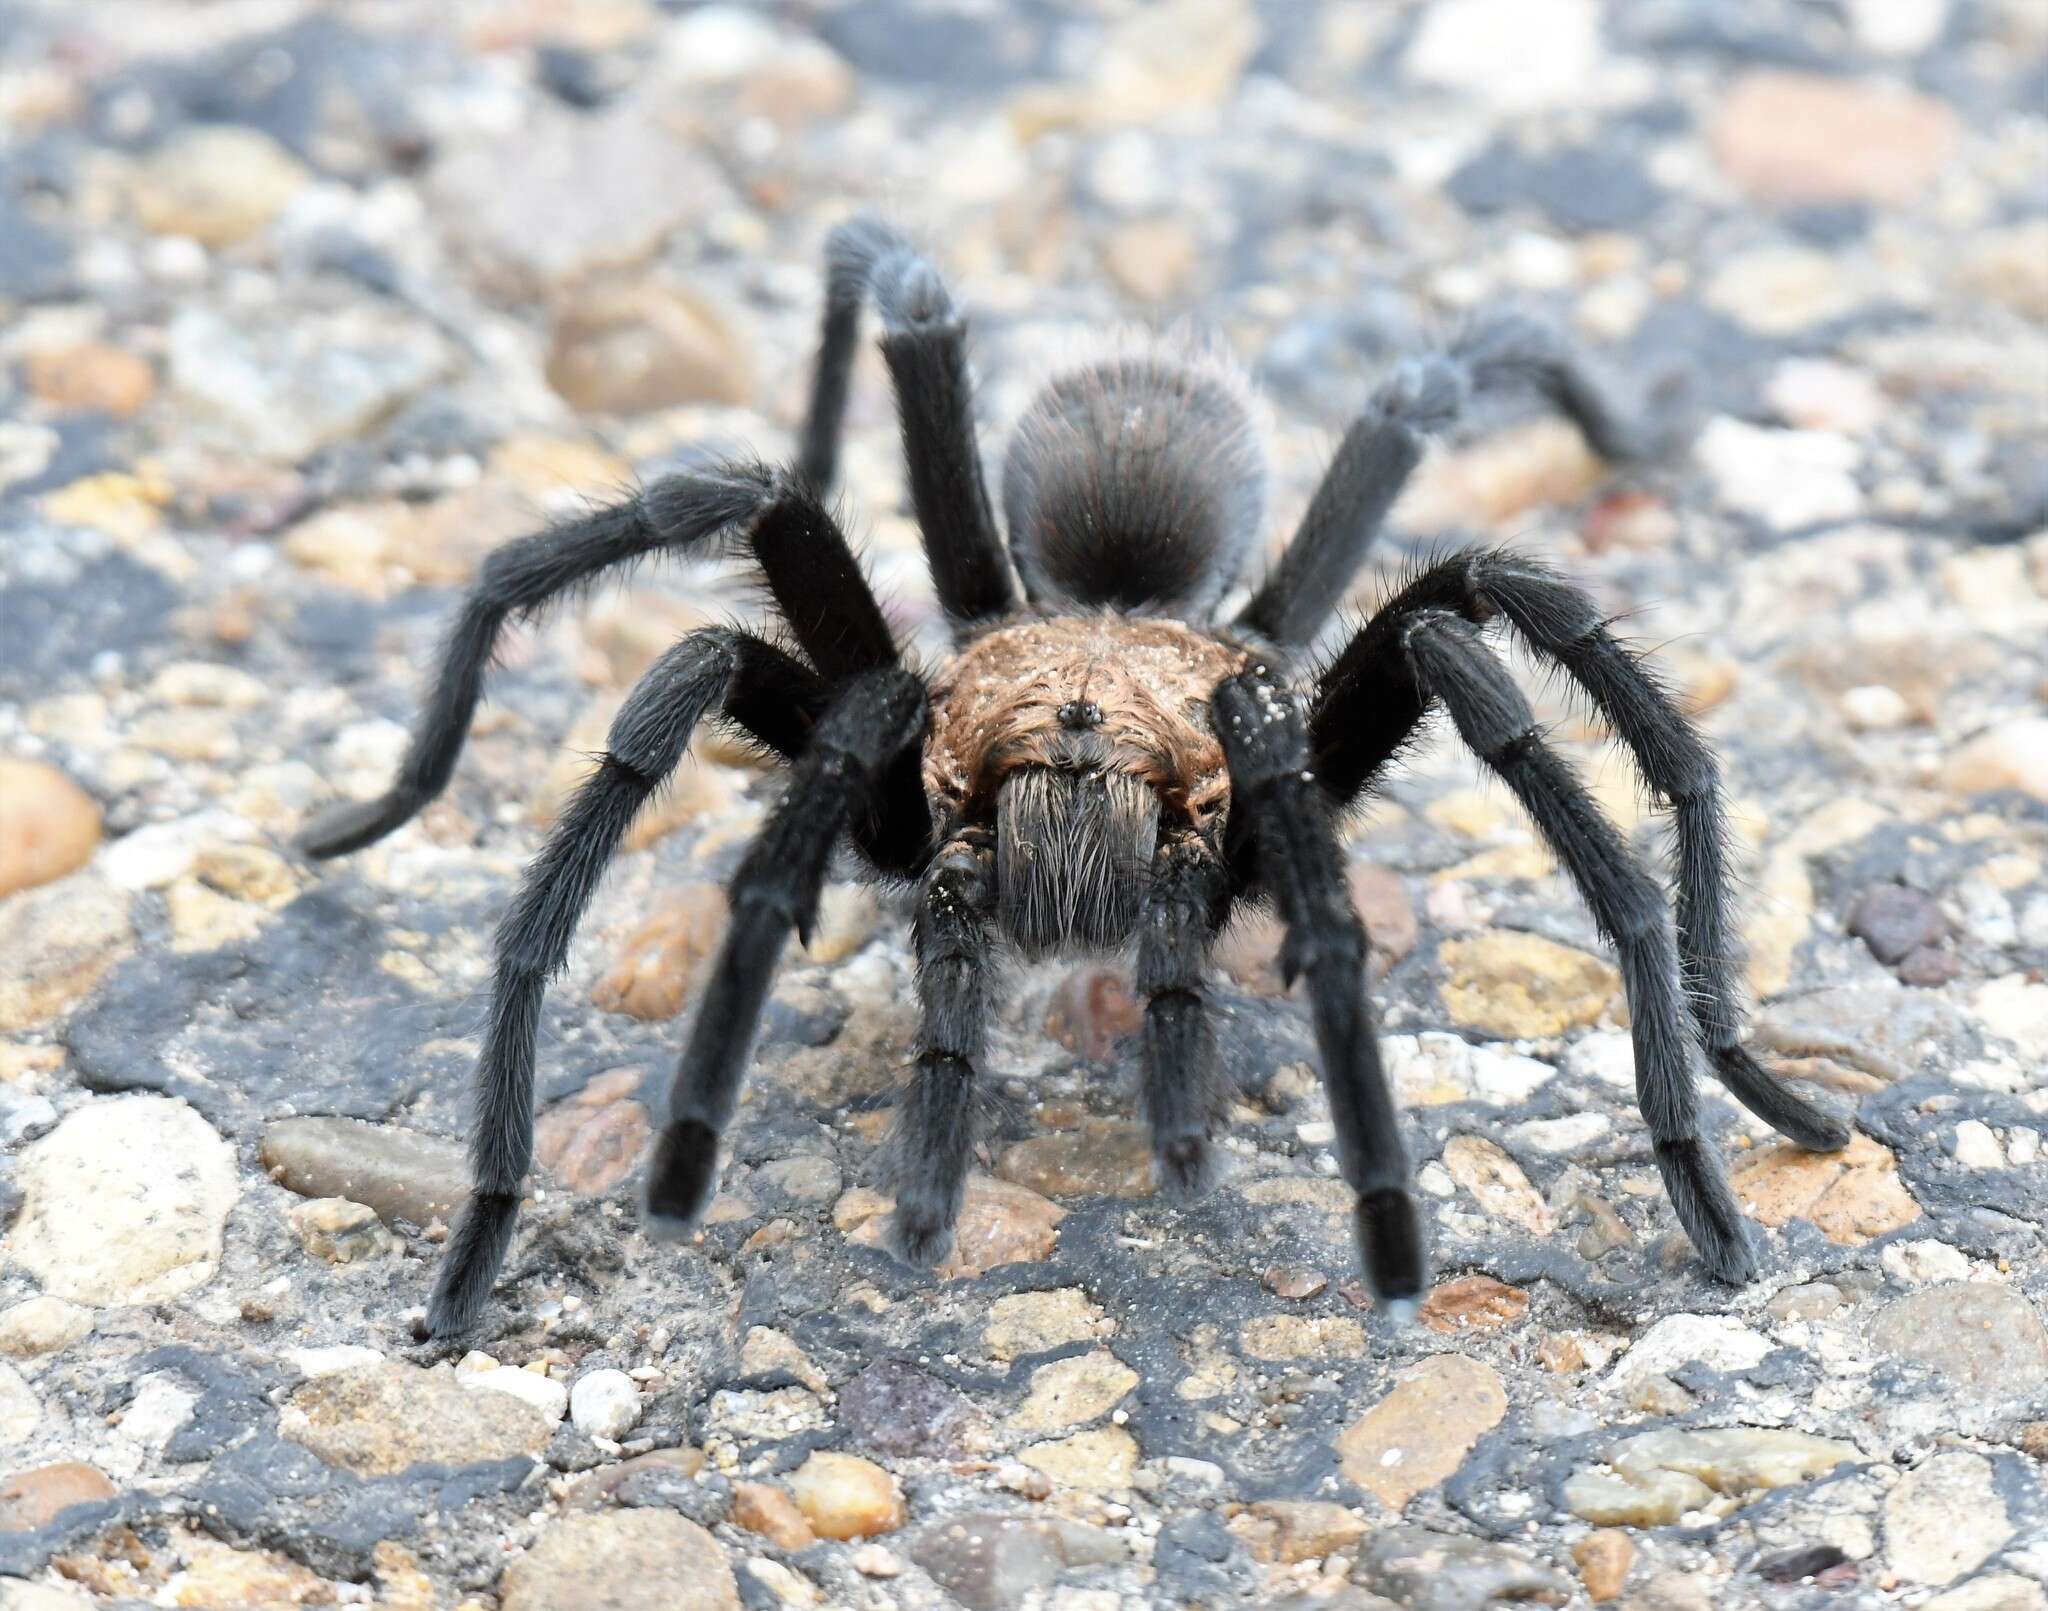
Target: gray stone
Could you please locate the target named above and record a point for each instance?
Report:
(1430, 1571)
(989, 1562)
(1973, 1334)
(1944, 1518)
(401, 1174)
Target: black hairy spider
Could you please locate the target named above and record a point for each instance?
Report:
(1102, 760)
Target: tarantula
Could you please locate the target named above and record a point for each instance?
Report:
(1103, 761)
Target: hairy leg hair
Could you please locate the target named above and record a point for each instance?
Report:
(1301, 867)
(1182, 1079)
(809, 568)
(871, 723)
(1369, 703)
(706, 671)
(954, 940)
(924, 343)
(1452, 663)
(1423, 397)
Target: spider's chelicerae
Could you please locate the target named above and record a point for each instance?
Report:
(1102, 761)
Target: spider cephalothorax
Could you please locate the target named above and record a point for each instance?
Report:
(1103, 761)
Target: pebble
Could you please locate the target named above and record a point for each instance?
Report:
(604, 1404)
(1107, 1157)
(1603, 1559)
(647, 1560)
(645, 345)
(1421, 1570)
(1849, 1196)
(1022, 1323)
(20, 1410)
(592, 1141)
(1801, 139)
(91, 376)
(57, 942)
(1786, 479)
(216, 183)
(1719, 1342)
(1472, 1303)
(96, 1229)
(1092, 1010)
(1278, 1339)
(652, 975)
(49, 826)
(1291, 1530)
(1436, 1067)
(844, 1496)
(401, 1174)
(1099, 1460)
(1497, 1182)
(2009, 755)
(1972, 1333)
(1523, 985)
(1945, 1517)
(1152, 258)
(285, 383)
(1917, 1264)
(1818, 394)
(341, 1232)
(379, 1420)
(1073, 1391)
(1995, 1591)
(42, 1325)
(1779, 290)
(1514, 55)
(894, 1408)
(761, 1508)
(36, 1497)
(1895, 920)
(1421, 1432)
(1660, 1476)
(991, 1562)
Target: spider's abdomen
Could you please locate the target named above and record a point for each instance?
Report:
(1135, 483)
(1076, 735)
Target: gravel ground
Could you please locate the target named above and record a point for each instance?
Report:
(308, 306)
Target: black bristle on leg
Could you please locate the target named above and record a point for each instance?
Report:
(1393, 1249)
(1301, 866)
(934, 1131)
(469, 1263)
(852, 752)
(1450, 660)
(680, 1178)
(1765, 1095)
(1182, 1091)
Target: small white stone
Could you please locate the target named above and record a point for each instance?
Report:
(1874, 708)
(1719, 1342)
(873, 1560)
(1569, 1134)
(1919, 1263)
(1977, 1147)
(1513, 54)
(327, 1361)
(1898, 27)
(2022, 1146)
(1609, 1057)
(551, 1398)
(604, 1404)
(1786, 479)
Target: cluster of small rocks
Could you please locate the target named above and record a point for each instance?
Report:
(305, 308)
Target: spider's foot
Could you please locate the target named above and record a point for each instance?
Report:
(1765, 1094)
(1706, 1207)
(350, 826)
(918, 1236)
(1392, 1251)
(469, 1264)
(680, 1179)
(1185, 1166)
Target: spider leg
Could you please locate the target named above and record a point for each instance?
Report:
(1423, 397)
(1561, 623)
(924, 342)
(1453, 663)
(1301, 866)
(810, 570)
(871, 723)
(1183, 1081)
(708, 669)
(954, 940)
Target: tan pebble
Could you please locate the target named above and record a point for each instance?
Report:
(844, 1496)
(770, 1512)
(49, 826)
(1603, 1560)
